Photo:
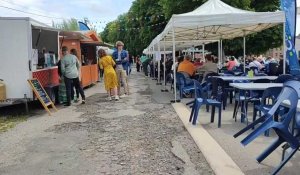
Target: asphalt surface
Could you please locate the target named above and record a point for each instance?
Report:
(140, 134)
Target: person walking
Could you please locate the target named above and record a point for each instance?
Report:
(131, 61)
(138, 63)
(70, 71)
(120, 57)
(110, 76)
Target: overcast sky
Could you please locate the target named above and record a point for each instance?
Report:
(99, 12)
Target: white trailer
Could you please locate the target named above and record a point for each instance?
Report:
(19, 39)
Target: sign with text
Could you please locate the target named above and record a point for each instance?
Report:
(41, 94)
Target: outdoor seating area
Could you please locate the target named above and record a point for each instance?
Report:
(274, 107)
(187, 87)
(272, 101)
(256, 100)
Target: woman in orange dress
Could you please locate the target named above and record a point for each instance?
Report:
(110, 77)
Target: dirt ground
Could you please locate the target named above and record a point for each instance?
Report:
(136, 135)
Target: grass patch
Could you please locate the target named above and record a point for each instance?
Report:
(7, 123)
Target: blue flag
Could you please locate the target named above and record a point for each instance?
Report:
(290, 9)
(83, 26)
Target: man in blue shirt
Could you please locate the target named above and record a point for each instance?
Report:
(122, 61)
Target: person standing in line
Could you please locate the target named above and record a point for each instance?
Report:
(73, 97)
(62, 95)
(120, 57)
(70, 71)
(110, 76)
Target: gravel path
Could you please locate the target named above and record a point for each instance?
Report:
(135, 135)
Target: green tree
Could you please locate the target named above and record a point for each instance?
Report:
(67, 25)
(138, 27)
(271, 38)
(171, 7)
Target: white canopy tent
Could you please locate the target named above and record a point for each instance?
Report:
(215, 20)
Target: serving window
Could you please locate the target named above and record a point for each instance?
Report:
(45, 48)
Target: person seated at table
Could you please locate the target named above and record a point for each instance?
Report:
(268, 60)
(186, 67)
(209, 66)
(230, 64)
(178, 60)
(237, 62)
(256, 63)
(280, 66)
(198, 63)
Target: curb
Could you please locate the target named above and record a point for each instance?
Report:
(220, 162)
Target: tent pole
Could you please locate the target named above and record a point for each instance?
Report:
(203, 50)
(244, 53)
(219, 57)
(284, 51)
(158, 64)
(221, 51)
(153, 62)
(193, 53)
(174, 71)
(165, 89)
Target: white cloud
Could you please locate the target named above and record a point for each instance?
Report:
(95, 10)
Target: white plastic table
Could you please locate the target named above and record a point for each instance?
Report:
(255, 86)
(231, 78)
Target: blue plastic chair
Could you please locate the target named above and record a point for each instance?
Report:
(262, 107)
(206, 88)
(201, 99)
(182, 85)
(290, 84)
(284, 78)
(272, 94)
(281, 128)
(219, 91)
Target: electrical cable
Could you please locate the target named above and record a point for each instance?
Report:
(30, 13)
(23, 6)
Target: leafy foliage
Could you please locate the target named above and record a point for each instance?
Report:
(67, 25)
(135, 28)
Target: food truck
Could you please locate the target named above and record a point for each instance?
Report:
(30, 49)
(85, 42)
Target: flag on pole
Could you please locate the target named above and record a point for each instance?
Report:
(290, 9)
(83, 26)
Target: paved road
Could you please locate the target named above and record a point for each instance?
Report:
(136, 135)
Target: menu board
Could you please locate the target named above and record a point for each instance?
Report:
(41, 94)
